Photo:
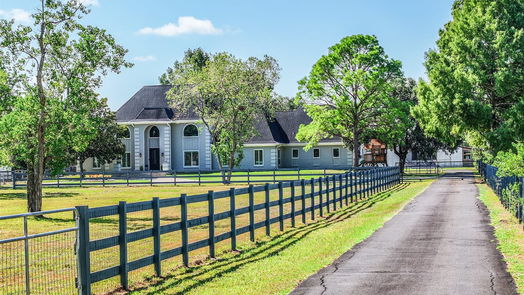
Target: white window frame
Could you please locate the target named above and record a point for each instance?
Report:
(184, 158)
(98, 166)
(194, 136)
(298, 154)
(333, 151)
(122, 161)
(255, 158)
(318, 153)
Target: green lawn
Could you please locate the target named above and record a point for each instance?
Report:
(509, 233)
(349, 230)
(276, 265)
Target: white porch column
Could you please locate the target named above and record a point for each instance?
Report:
(207, 148)
(166, 164)
(273, 157)
(137, 149)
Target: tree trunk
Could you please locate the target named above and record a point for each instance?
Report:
(34, 192)
(402, 155)
(356, 151)
(402, 162)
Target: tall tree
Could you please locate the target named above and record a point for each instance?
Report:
(228, 94)
(57, 64)
(400, 130)
(107, 144)
(476, 75)
(347, 91)
(194, 60)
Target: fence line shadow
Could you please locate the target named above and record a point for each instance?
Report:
(262, 250)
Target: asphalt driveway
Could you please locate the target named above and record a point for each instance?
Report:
(440, 243)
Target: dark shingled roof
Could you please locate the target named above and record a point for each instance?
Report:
(150, 104)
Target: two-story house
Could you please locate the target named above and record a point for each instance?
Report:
(160, 138)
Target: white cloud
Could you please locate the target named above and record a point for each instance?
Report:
(144, 58)
(19, 15)
(89, 2)
(186, 25)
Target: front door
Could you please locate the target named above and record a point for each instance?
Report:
(154, 159)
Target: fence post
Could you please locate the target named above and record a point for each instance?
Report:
(292, 203)
(248, 178)
(122, 243)
(327, 195)
(274, 176)
(156, 236)
(127, 178)
(361, 184)
(26, 259)
(183, 223)
(81, 177)
(320, 197)
(251, 214)
(334, 179)
(303, 201)
(233, 219)
(347, 189)
(211, 213)
(82, 251)
(351, 175)
(151, 177)
(13, 178)
(58, 180)
(281, 205)
(340, 189)
(266, 205)
(199, 178)
(312, 180)
(103, 178)
(174, 178)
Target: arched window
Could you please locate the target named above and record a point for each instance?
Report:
(190, 130)
(126, 133)
(153, 132)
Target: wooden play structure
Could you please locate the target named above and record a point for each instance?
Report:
(375, 153)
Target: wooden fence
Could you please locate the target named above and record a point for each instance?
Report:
(129, 178)
(332, 191)
(512, 199)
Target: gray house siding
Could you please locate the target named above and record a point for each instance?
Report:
(324, 161)
(181, 144)
(269, 156)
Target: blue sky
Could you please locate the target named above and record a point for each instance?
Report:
(296, 33)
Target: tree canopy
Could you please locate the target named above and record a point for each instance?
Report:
(347, 92)
(228, 94)
(401, 131)
(54, 67)
(476, 75)
(107, 144)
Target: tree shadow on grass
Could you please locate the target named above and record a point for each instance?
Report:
(22, 195)
(212, 269)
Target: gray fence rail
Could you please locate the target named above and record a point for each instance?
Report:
(511, 199)
(33, 261)
(325, 195)
(128, 178)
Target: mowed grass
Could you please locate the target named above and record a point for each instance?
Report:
(46, 249)
(275, 265)
(509, 233)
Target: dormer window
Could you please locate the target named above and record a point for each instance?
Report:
(126, 133)
(154, 132)
(190, 130)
